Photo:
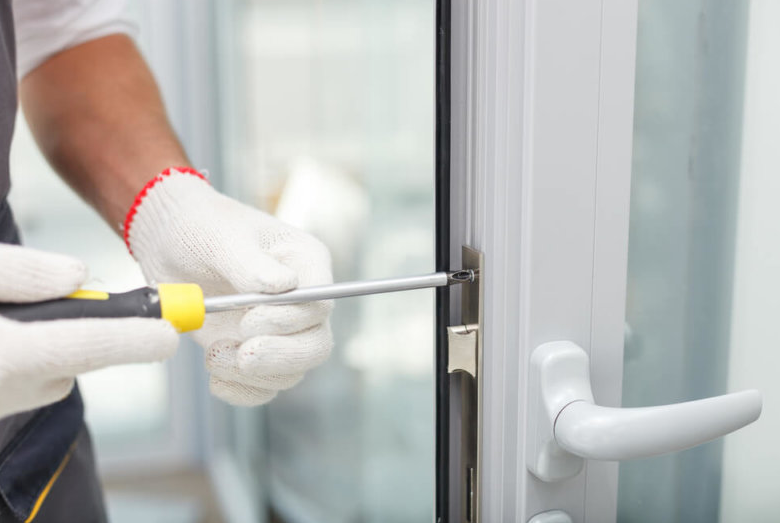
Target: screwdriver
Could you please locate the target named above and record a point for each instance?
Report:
(184, 306)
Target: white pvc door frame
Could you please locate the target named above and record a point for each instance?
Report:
(542, 108)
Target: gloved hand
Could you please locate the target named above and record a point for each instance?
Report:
(181, 230)
(39, 360)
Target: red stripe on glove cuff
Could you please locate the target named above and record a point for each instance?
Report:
(143, 192)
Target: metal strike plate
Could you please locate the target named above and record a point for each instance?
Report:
(462, 345)
(465, 352)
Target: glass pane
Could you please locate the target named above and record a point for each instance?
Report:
(328, 123)
(704, 252)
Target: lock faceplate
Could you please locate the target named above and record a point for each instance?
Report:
(465, 353)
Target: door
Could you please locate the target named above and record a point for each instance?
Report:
(614, 162)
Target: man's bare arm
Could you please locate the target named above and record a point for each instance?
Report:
(96, 113)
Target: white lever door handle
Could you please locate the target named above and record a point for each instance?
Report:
(605, 433)
(571, 427)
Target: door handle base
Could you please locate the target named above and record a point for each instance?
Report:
(551, 516)
(558, 376)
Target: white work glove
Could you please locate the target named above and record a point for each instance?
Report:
(39, 360)
(181, 230)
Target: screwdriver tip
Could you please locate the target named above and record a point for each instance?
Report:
(462, 276)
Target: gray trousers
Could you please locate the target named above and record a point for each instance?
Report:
(76, 495)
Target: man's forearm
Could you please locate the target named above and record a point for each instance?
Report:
(96, 113)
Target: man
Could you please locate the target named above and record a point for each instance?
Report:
(96, 114)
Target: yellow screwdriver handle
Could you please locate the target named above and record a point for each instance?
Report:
(182, 305)
(179, 303)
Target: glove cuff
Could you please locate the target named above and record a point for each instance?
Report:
(139, 198)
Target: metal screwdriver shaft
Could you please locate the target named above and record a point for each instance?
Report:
(184, 306)
(340, 290)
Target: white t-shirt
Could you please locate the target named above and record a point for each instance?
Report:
(46, 27)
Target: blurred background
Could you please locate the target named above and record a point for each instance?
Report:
(322, 113)
(704, 252)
